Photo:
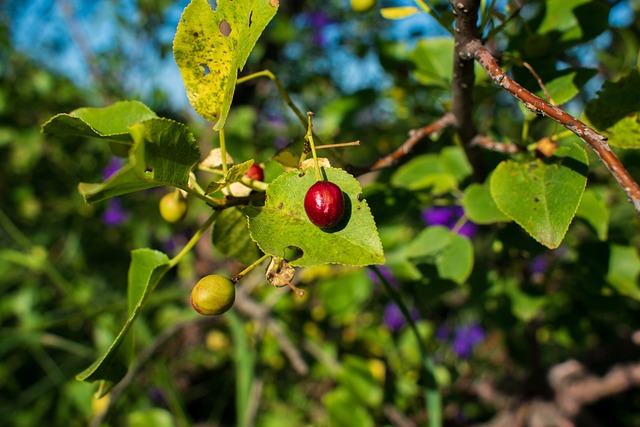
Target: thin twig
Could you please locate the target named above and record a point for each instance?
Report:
(491, 145)
(415, 136)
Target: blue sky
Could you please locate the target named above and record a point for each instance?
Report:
(40, 29)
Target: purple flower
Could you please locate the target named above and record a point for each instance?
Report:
(115, 214)
(112, 167)
(443, 333)
(318, 21)
(394, 319)
(465, 338)
(449, 216)
(538, 265)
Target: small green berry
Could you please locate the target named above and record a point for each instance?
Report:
(213, 295)
(173, 207)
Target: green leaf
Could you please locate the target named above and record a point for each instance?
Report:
(455, 262)
(567, 84)
(624, 267)
(451, 253)
(542, 196)
(355, 375)
(430, 241)
(164, 153)
(454, 160)
(110, 123)
(282, 222)
(615, 110)
(434, 61)
(480, 207)
(593, 210)
(234, 174)
(229, 235)
(424, 172)
(145, 271)
(345, 410)
(210, 47)
(574, 20)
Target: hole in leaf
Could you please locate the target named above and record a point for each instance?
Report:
(250, 18)
(292, 253)
(205, 69)
(225, 28)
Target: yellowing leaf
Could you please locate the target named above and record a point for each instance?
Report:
(210, 48)
(398, 12)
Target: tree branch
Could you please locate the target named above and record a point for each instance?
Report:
(598, 143)
(465, 30)
(415, 136)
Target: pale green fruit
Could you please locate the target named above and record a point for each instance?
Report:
(213, 295)
(173, 207)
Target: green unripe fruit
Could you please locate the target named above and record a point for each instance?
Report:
(173, 207)
(213, 295)
(362, 6)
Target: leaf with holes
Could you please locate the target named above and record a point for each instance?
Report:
(210, 47)
(282, 223)
(542, 196)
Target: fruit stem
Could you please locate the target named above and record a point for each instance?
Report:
(223, 152)
(194, 239)
(309, 138)
(244, 272)
(293, 287)
(283, 92)
(341, 144)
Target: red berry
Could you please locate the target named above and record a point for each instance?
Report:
(255, 172)
(324, 204)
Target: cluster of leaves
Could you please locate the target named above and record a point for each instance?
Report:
(460, 258)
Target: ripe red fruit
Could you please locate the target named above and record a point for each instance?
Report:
(324, 204)
(255, 172)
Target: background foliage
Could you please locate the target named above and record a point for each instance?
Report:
(493, 306)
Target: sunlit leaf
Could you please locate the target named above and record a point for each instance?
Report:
(210, 47)
(542, 196)
(283, 222)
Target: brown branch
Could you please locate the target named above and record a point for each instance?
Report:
(491, 145)
(573, 393)
(465, 30)
(593, 139)
(415, 136)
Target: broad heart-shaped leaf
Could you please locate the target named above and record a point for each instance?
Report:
(283, 222)
(110, 123)
(210, 47)
(542, 196)
(164, 153)
(145, 271)
(234, 174)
